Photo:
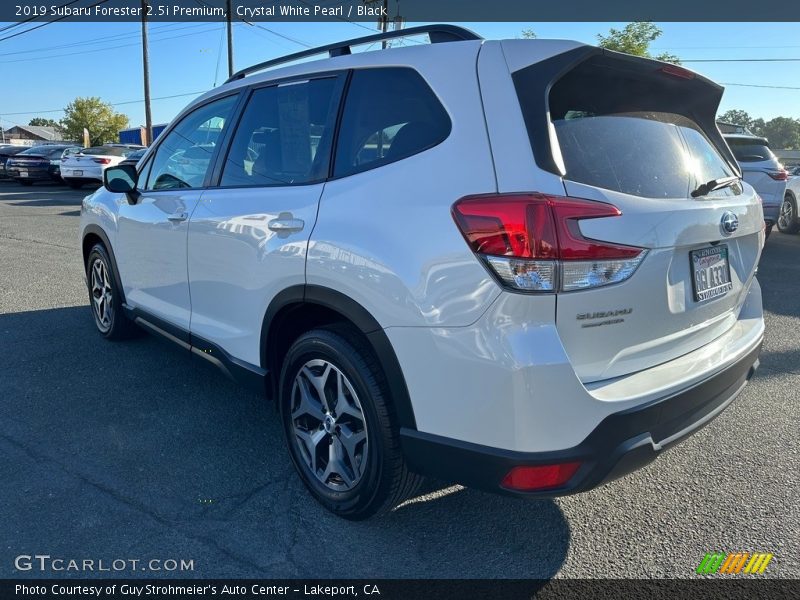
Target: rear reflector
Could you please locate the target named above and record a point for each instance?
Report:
(533, 243)
(541, 477)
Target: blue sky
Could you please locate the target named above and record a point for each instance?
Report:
(189, 57)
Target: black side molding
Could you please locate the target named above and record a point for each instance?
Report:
(250, 376)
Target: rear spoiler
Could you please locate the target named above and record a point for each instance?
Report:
(685, 92)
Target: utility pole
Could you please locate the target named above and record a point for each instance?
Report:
(230, 39)
(148, 117)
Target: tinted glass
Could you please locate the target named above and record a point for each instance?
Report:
(284, 136)
(389, 114)
(750, 150)
(107, 151)
(37, 150)
(184, 155)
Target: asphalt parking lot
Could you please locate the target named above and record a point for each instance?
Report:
(136, 451)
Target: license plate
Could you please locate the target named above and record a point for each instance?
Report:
(711, 272)
(77, 173)
(23, 173)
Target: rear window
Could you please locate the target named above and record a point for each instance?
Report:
(621, 126)
(750, 150)
(108, 151)
(37, 150)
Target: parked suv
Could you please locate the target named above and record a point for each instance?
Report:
(761, 169)
(526, 265)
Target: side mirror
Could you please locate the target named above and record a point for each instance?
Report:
(122, 179)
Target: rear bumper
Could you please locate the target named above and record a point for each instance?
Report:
(37, 174)
(621, 443)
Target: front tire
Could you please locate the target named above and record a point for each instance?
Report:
(340, 428)
(105, 295)
(788, 219)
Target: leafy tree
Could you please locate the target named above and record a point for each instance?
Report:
(737, 117)
(783, 133)
(529, 34)
(42, 122)
(635, 38)
(95, 115)
(757, 126)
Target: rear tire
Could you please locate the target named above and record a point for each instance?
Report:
(341, 431)
(105, 295)
(788, 221)
(75, 185)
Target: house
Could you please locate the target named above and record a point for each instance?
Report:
(29, 135)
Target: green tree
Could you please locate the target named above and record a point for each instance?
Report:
(783, 133)
(635, 38)
(757, 126)
(737, 117)
(529, 34)
(95, 115)
(42, 122)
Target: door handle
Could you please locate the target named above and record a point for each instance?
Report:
(178, 217)
(286, 223)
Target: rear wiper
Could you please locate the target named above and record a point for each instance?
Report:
(713, 185)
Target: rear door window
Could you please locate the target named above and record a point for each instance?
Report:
(389, 114)
(284, 136)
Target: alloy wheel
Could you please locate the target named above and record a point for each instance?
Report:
(102, 297)
(786, 217)
(329, 426)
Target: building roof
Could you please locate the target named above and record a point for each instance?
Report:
(44, 133)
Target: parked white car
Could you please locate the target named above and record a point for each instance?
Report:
(527, 266)
(89, 164)
(789, 217)
(761, 169)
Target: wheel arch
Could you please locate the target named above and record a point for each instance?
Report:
(301, 308)
(94, 234)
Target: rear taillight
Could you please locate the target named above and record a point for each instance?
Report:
(781, 175)
(533, 243)
(540, 477)
(102, 161)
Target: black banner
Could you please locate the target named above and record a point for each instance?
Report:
(528, 11)
(734, 588)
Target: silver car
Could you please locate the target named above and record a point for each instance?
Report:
(761, 169)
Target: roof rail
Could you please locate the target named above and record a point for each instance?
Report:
(438, 34)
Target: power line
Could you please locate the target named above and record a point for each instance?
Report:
(772, 87)
(33, 18)
(708, 60)
(115, 37)
(58, 110)
(106, 48)
(13, 35)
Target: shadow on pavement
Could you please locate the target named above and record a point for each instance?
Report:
(135, 449)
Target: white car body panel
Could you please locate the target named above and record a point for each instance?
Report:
(482, 364)
(237, 265)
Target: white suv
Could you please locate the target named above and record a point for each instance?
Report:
(526, 266)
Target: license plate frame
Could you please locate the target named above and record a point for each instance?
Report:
(76, 173)
(23, 173)
(711, 272)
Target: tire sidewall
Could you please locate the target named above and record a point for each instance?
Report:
(323, 344)
(99, 252)
(793, 225)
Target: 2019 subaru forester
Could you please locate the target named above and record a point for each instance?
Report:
(526, 265)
